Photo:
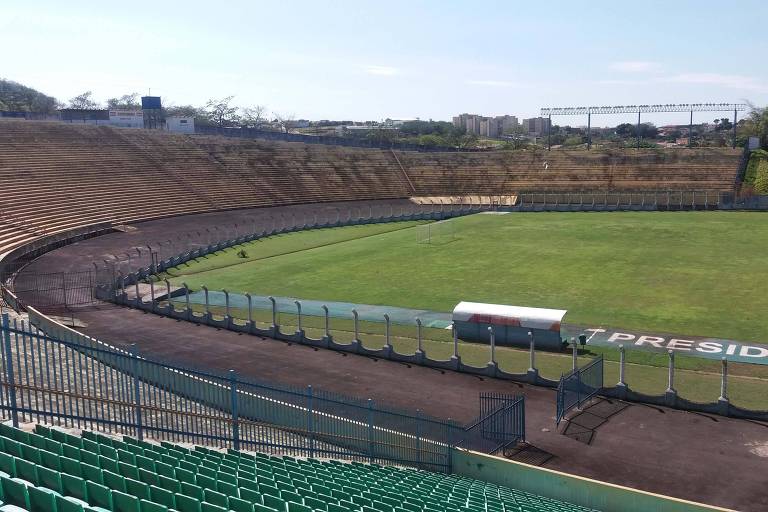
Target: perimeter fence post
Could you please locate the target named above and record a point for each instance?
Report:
(492, 340)
(356, 319)
(575, 353)
(723, 401)
(299, 330)
(250, 310)
(533, 373)
(387, 334)
(275, 327)
(327, 320)
(419, 350)
(671, 393)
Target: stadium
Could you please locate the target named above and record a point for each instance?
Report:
(201, 322)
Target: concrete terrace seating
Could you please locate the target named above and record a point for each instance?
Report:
(57, 176)
(54, 471)
(495, 173)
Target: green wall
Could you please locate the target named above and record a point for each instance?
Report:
(570, 488)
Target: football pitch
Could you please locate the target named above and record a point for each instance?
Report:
(692, 273)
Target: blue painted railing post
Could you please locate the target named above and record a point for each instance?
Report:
(235, 417)
(136, 390)
(370, 431)
(310, 422)
(9, 370)
(418, 437)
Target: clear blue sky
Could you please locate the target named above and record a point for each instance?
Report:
(402, 59)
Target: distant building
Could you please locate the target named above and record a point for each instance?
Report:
(492, 127)
(536, 126)
(180, 124)
(126, 118)
(85, 115)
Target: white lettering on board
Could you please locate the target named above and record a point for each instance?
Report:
(675, 344)
(655, 341)
(620, 336)
(710, 347)
(746, 351)
(731, 350)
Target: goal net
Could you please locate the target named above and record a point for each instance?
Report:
(436, 233)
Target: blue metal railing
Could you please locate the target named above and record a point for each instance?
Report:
(578, 386)
(87, 384)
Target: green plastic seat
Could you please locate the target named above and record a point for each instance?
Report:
(291, 496)
(90, 458)
(14, 493)
(230, 490)
(91, 473)
(169, 484)
(192, 490)
(148, 477)
(149, 506)
(108, 464)
(41, 500)
(264, 508)
(49, 478)
(187, 504)
(315, 503)
(128, 470)
(8, 464)
(162, 496)
(215, 497)
(240, 505)
(143, 462)
(99, 495)
(206, 482)
(114, 481)
(67, 450)
(122, 502)
(136, 488)
(73, 486)
(274, 502)
(251, 496)
(64, 504)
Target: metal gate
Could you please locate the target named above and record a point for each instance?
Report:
(500, 424)
(56, 290)
(578, 386)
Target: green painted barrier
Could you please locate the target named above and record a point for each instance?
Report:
(569, 488)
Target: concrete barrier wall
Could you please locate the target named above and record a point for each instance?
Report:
(569, 488)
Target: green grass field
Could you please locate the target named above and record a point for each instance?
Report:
(694, 273)
(690, 273)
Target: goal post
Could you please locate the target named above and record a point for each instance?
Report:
(436, 233)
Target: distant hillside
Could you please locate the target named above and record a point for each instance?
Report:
(15, 97)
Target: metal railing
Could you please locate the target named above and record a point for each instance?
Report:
(578, 386)
(65, 377)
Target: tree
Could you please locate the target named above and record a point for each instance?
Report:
(253, 117)
(756, 124)
(84, 101)
(284, 121)
(723, 124)
(221, 112)
(20, 98)
(124, 102)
